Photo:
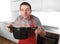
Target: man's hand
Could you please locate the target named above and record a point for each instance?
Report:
(40, 31)
(9, 27)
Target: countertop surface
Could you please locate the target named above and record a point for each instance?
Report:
(51, 29)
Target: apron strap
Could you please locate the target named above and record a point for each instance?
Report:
(32, 22)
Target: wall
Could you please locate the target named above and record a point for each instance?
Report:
(48, 18)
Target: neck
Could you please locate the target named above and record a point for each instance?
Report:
(25, 18)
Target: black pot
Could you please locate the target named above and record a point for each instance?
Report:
(22, 32)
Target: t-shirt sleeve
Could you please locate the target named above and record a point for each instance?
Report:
(39, 23)
(16, 21)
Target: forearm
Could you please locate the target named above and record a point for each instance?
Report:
(40, 31)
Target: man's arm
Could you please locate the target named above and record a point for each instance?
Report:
(40, 29)
(13, 23)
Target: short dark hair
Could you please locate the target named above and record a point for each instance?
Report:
(25, 3)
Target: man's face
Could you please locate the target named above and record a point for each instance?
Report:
(25, 11)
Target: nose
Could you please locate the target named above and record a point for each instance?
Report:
(25, 11)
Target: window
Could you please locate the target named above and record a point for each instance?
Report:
(5, 11)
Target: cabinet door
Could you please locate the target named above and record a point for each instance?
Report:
(49, 39)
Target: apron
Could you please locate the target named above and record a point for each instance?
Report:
(32, 38)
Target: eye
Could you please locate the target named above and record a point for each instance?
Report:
(28, 9)
(22, 10)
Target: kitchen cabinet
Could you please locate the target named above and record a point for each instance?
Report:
(50, 38)
(41, 5)
(45, 5)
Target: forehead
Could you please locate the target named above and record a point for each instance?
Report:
(24, 6)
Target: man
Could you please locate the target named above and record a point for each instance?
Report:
(28, 20)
